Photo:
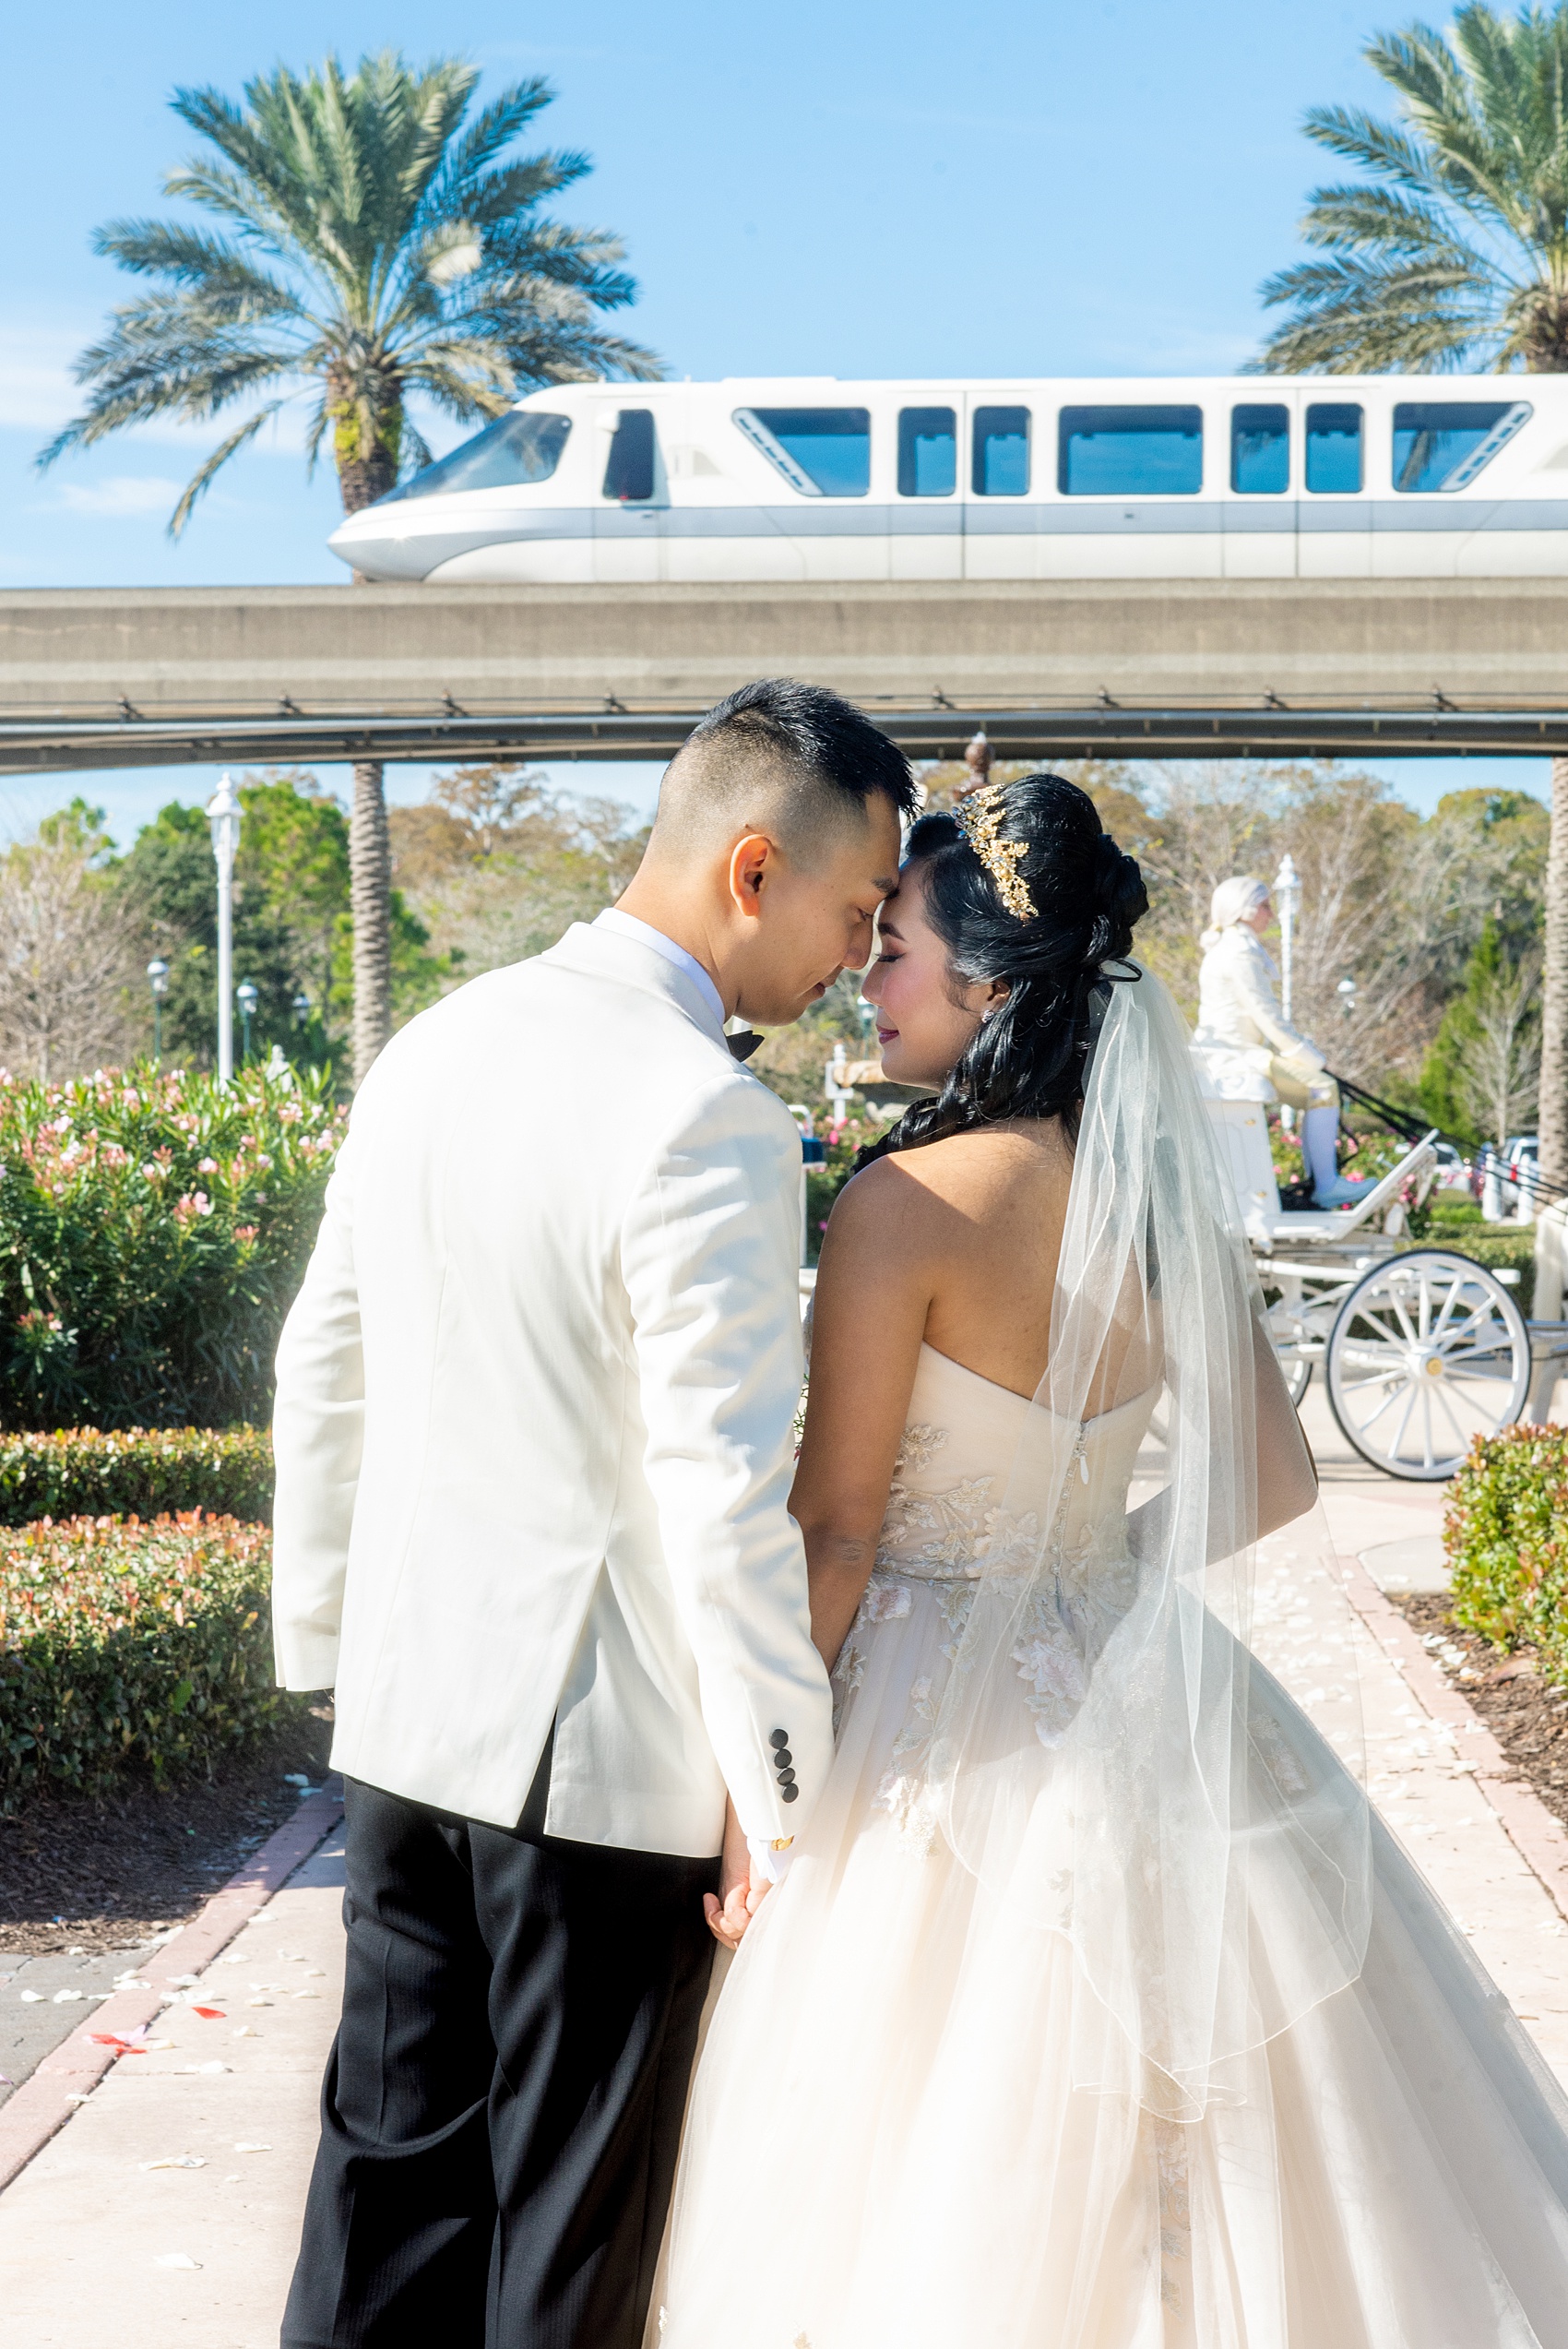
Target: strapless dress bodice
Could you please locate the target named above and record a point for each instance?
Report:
(975, 1467)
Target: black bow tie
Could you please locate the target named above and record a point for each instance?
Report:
(743, 1042)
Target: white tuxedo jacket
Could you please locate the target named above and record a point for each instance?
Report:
(535, 1403)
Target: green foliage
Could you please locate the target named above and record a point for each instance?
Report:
(372, 242)
(293, 933)
(1478, 1079)
(153, 1231)
(136, 1471)
(1505, 1533)
(1453, 251)
(131, 1648)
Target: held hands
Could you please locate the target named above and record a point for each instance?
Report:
(741, 1893)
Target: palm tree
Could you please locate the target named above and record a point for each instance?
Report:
(1455, 254)
(375, 244)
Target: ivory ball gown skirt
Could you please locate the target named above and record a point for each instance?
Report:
(883, 2148)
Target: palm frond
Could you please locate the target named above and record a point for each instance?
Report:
(223, 276)
(205, 474)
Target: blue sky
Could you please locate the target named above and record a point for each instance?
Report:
(880, 189)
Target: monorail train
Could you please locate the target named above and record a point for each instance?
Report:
(806, 478)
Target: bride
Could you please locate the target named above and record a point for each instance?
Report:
(1097, 2011)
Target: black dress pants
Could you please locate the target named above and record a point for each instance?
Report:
(503, 2102)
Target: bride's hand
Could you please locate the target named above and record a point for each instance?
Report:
(738, 1897)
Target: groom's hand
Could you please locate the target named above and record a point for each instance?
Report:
(740, 1893)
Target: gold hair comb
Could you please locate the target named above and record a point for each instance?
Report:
(980, 819)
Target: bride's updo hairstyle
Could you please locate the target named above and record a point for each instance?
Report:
(1082, 895)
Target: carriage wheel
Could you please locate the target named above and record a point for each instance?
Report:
(1428, 1352)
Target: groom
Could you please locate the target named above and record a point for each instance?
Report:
(534, 1409)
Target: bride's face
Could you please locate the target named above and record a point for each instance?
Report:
(923, 1022)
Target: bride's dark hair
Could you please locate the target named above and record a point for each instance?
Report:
(1027, 1057)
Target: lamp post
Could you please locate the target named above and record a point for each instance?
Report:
(1286, 897)
(223, 817)
(301, 1011)
(247, 996)
(1346, 991)
(158, 980)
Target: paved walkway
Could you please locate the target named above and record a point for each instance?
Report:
(167, 2210)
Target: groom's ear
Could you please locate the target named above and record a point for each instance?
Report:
(752, 860)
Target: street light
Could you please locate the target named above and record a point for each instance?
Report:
(1286, 897)
(223, 817)
(1346, 991)
(301, 1011)
(158, 980)
(247, 997)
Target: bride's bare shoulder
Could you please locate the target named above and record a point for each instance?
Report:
(944, 1191)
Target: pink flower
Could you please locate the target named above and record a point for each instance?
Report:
(206, 1166)
(246, 1233)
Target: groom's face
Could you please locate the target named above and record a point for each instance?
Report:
(815, 915)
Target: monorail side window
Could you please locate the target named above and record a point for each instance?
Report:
(524, 447)
(1442, 444)
(1334, 451)
(928, 452)
(1129, 452)
(822, 452)
(628, 475)
(1002, 452)
(1260, 450)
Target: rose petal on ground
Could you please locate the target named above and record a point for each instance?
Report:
(210, 2014)
(68, 1997)
(175, 2162)
(244, 2146)
(175, 2260)
(31, 1998)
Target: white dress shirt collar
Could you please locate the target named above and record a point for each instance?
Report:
(627, 925)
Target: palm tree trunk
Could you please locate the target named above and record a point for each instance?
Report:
(370, 883)
(1553, 1123)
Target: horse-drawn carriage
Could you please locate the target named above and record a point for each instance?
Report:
(1421, 1348)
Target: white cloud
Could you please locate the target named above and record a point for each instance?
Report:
(121, 494)
(36, 390)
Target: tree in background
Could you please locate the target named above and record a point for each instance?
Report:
(66, 949)
(1480, 1078)
(375, 244)
(498, 866)
(1454, 252)
(293, 922)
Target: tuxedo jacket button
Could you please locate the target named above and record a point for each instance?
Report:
(786, 1778)
(783, 1757)
(788, 1793)
(779, 1738)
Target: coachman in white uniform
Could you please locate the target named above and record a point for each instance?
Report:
(1239, 1018)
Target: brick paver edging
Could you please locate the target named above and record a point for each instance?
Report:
(1530, 1827)
(43, 2103)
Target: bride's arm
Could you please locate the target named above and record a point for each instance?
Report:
(873, 1288)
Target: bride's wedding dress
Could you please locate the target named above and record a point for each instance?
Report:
(886, 2148)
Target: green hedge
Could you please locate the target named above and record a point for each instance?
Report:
(130, 1647)
(1505, 1532)
(136, 1472)
(154, 1228)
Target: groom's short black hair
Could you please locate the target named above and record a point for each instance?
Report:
(833, 757)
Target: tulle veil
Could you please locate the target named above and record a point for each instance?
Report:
(1212, 1876)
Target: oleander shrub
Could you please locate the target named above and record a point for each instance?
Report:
(131, 1647)
(153, 1229)
(136, 1471)
(1505, 1533)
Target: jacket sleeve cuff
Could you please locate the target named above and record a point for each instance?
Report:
(305, 1657)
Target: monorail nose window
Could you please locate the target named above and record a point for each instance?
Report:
(1334, 451)
(1442, 444)
(628, 475)
(928, 452)
(822, 452)
(1129, 452)
(1002, 452)
(524, 447)
(1260, 450)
